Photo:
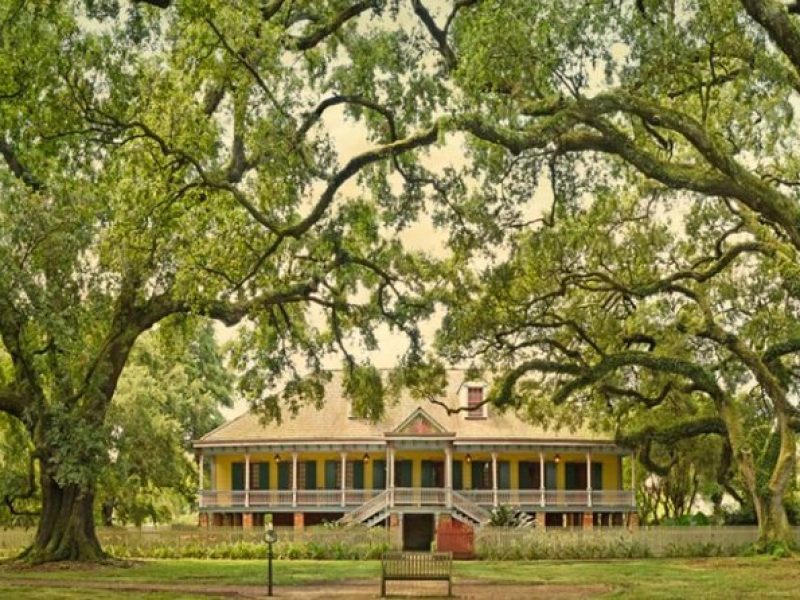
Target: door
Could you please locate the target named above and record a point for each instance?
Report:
(481, 475)
(417, 532)
(259, 476)
(575, 475)
(432, 474)
(529, 476)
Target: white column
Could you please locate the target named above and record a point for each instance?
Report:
(294, 478)
(344, 477)
(200, 483)
(589, 479)
(247, 478)
(494, 478)
(213, 473)
(390, 482)
(448, 475)
(541, 477)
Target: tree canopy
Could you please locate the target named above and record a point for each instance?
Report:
(159, 164)
(166, 158)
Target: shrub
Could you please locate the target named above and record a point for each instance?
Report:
(353, 544)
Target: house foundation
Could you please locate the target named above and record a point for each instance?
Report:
(299, 522)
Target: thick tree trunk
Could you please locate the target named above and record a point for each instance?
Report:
(773, 523)
(66, 528)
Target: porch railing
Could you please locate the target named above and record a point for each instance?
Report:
(552, 498)
(419, 496)
(530, 499)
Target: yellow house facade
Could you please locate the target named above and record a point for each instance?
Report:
(423, 466)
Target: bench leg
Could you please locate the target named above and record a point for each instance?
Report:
(450, 588)
(383, 588)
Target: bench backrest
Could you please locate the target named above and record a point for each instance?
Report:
(417, 564)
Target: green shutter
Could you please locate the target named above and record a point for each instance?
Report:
(458, 475)
(237, 476)
(428, 474)
(330, 475)
(550, 478)
(597, 476)
(570, 477)
(525, 479)
(403, 473)
(477, 475)
(575, 476)
(503, 475)
(358, 475)
(284, 476)
(263, 476)
(311, 475)
(379, 475)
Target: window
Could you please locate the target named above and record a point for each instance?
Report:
(477, 410)
(259, 476)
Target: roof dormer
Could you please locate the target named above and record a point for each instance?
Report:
(472, 396)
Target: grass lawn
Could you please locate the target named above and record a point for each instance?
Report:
(757, 577)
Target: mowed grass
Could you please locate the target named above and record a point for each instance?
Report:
(723, 578)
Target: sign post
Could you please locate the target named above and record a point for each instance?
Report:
(270, 537)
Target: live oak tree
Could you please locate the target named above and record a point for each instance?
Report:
(170, 393)
(685, 103)
(173, 160)
(662, 329)
(698, 98)
(171, 157)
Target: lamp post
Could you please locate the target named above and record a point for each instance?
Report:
(270, 536)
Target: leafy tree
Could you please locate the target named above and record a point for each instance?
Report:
(662, 331)
(694, 97)
(688, 105)
(676, 476)
(161, 163)
(161, 404)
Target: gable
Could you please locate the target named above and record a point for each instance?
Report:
(419, 422)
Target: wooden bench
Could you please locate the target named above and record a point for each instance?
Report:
(417, 566)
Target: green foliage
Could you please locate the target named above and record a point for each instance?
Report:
(508, 516)
(368, 545)
(551, 546)
(693, 520)
(170, 393)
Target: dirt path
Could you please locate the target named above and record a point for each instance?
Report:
(356, 589)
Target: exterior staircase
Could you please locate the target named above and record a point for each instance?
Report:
(373, 511)
(467, 511)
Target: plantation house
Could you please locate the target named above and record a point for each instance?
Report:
(420, 470)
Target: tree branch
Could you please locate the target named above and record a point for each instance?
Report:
(774, 17)
(309, 41)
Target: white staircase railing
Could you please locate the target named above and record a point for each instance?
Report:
(370, 508)
(469, 508)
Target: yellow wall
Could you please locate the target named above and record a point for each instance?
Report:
(611, 474)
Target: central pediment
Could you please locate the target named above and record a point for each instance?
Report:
(419, 422)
